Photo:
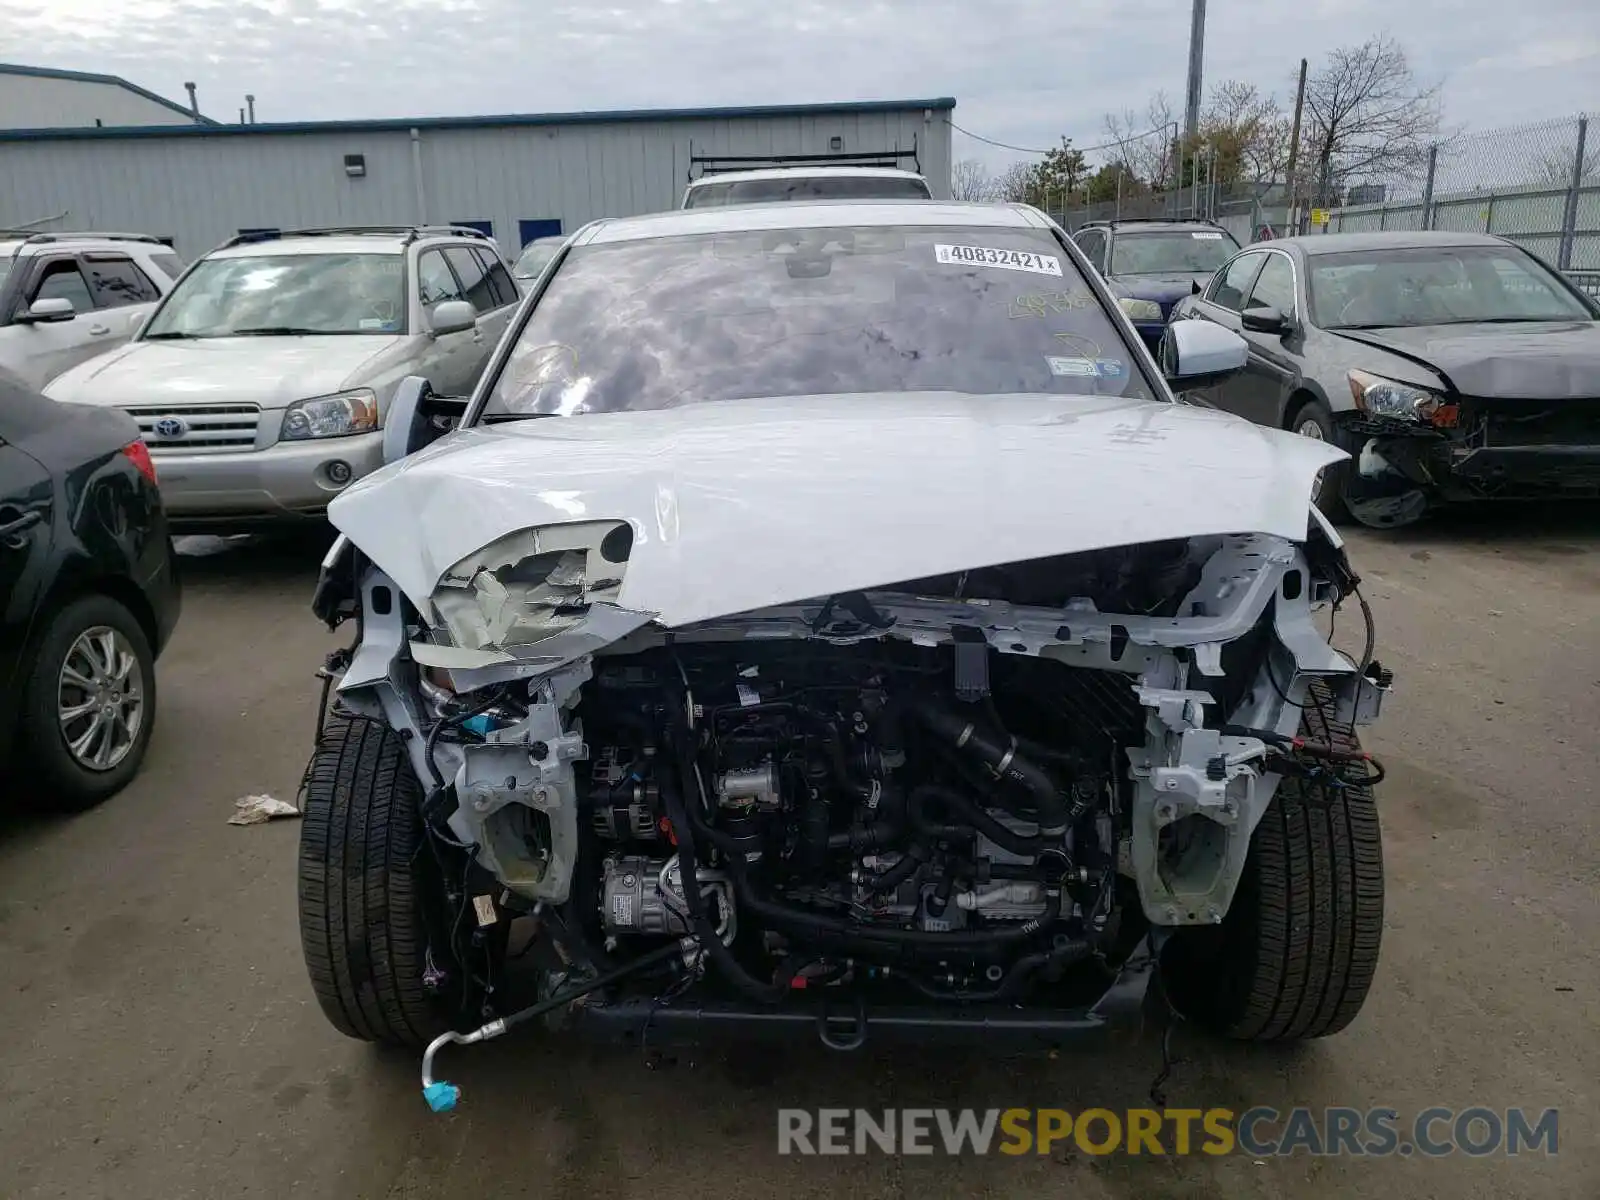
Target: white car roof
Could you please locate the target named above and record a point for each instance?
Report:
(810, 214)
(363, 244)
(804, 172)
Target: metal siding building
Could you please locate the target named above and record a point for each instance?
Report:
(44, 98)
(200, 184)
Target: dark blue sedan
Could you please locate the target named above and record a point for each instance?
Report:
(1152, 264)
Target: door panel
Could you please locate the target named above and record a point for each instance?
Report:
(26, 512)
(46, 349)
(449, 362)
(1273, 364)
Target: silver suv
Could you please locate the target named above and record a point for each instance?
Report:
(260, 385)
(66, 297)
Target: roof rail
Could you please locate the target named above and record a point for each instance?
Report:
(34, 236)
(715, 164)
(408, 233)
(1153, 221)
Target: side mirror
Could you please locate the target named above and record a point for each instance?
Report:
(417, 417)
(1265, 319)
(1196, 354)
(57, 308)
(451, 316)
(136, 322)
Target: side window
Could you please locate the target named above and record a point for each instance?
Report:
(118, 282)
(1230, 286)
(1093, 244)
(62, 280)
(505, 291)
(435, 283)
(168, 264)
(474, 281)
(1274, 286)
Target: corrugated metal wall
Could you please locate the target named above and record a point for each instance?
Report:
(201, 188)
(30, 101)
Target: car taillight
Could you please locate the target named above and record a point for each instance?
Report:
(139, 455)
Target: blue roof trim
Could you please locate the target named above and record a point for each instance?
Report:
(91, 77)
(509, 120)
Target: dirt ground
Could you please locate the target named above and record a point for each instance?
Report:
(158, 1037)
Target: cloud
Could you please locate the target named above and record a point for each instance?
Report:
(1023, 71)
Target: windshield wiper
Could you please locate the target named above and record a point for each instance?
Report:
(272, 331)
(1507, 320)
(169, 335)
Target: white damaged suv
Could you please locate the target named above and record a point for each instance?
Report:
(261, 382)
(826, 623)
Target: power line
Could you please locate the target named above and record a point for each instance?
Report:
(1084, 149)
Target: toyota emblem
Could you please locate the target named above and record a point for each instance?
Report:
(171, 427)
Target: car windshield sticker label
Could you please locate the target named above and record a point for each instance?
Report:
(1086, 368)
(372, 323)
(1042, 304)
(748, 696)
(1006, 260)
(1206, 235)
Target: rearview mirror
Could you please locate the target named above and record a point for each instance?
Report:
(57, 308)
(1265, 319)
(451, 316)
(1197, 354)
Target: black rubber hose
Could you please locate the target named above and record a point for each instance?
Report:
(889, 880)
(886, 831)
(970, 816)
(683, 826)
(1021, 971)
(1005, 761)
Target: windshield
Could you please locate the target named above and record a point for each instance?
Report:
(286, 294)
(1171, 252)
(806, 187)
(535, 257)
(683, 320)
(1436, 285)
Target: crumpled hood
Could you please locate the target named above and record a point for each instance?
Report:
(1547, 360)
(270, 371)
(747, 504)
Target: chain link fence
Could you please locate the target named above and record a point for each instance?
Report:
(1537, 185)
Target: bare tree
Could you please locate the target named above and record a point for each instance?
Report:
(1249, 131)
(1366, 116)
(1145, 141)
(1015, 183)
(969, 181)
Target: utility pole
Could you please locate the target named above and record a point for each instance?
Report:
(1197, 41)
(1294, 148)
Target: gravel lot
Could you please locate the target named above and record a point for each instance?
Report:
(158, 1037)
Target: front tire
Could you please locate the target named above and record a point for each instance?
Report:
(88, 705)
(1313, 420)
(362, 886)
(1297, 952)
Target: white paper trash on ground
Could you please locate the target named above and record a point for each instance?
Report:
(252, 810)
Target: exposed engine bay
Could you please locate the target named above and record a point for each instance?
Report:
(962, 789)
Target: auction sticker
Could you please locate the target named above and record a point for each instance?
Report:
(1006, 260)
(1206, 235)
(1085, 368)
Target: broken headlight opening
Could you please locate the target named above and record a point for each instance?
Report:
(988, 793)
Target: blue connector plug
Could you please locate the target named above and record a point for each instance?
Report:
(480, 725)
(441, 1096)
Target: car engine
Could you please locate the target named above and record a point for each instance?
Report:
(859, 811)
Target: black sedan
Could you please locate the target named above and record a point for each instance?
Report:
(1452, 366)
(88, 598)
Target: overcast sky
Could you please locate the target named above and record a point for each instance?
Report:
(1022, 71)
